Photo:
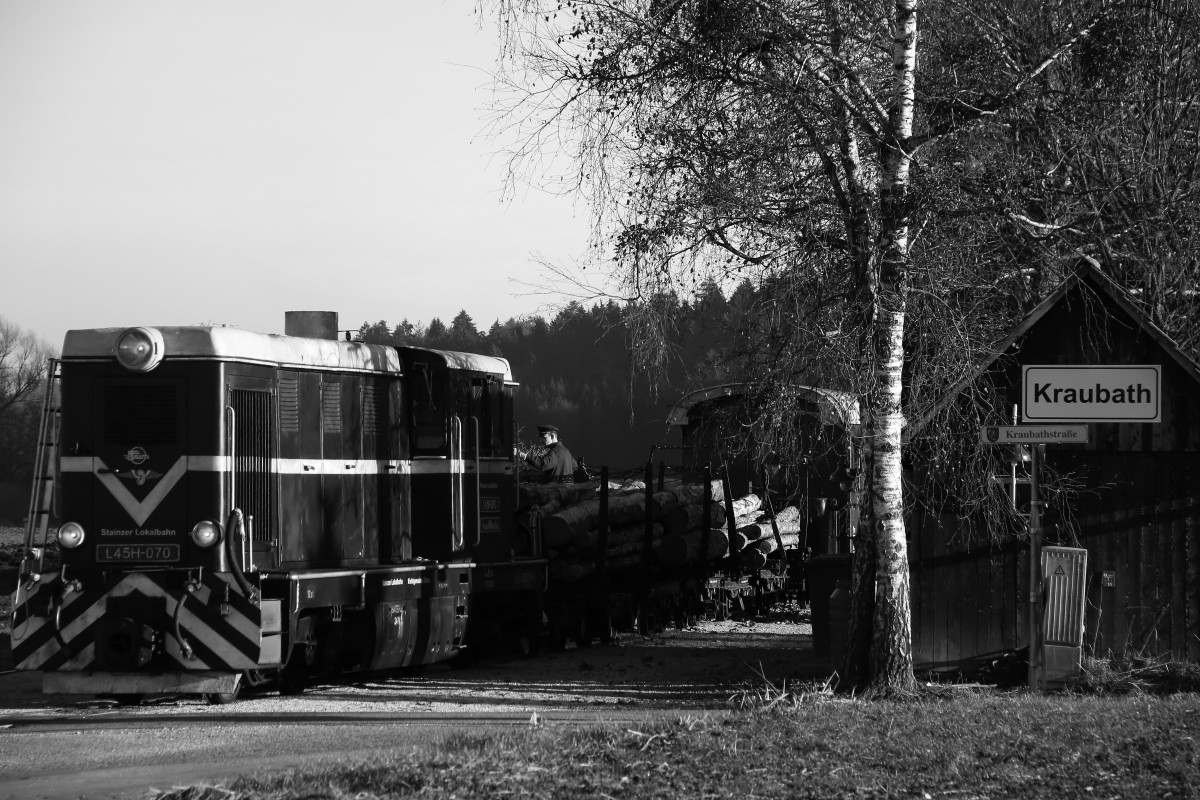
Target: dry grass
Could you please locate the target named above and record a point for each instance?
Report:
(973, 745)
(197, 793)
(765, 696)
(1138, 674)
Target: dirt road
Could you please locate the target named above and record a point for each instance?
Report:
(60, 747)
(70, 747)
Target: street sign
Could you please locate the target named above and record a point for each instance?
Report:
(1066, 393)
(1033, 434)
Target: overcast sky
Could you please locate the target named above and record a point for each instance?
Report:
(165, 162)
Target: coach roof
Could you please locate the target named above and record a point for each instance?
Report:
(835, 407)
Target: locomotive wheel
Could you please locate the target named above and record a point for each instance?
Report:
(678, 617)
(325, 659)
(225, 698)
(466, 658)
(529, 644)
(294, 677)
(221, 698)
(602, 626)
(529, 628)
(293, 680)
(647, 625)
(584, 634)
(556, 638)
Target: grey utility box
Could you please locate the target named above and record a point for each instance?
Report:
(1064, 586)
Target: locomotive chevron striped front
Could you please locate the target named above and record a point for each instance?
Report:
(158, 620)
(237, 507)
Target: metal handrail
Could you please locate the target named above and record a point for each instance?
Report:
(456, 484)
(231, 442)
(478, 481)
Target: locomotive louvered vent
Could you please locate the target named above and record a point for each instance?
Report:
(252, 458)
(370, 405)
(145, 414)
(289, 404)
(331, 407)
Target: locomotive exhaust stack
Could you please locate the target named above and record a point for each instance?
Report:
(311, 324)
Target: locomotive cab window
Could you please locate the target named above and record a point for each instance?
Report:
(468, 394)
(489, 400)
(429, 408)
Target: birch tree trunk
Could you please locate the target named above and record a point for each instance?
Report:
(891, 647)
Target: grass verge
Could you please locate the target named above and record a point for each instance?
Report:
(968, 745)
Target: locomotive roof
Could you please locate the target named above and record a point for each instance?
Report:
(235, 344)
(470, 361)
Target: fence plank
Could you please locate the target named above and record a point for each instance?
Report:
(1175, 567)
(1147, 629)
(1191, 526)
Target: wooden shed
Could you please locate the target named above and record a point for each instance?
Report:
(1138, 514)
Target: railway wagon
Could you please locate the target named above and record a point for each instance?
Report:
(239, 507)
(817, 478)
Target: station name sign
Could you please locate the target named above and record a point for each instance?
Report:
(1034, 434)
(1064, 393)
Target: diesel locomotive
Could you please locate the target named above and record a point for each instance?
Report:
(238, 508)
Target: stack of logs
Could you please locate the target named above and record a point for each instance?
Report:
(569, 517)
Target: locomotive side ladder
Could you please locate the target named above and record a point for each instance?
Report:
(37, 526)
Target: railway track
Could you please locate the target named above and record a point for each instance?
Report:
(473, 719)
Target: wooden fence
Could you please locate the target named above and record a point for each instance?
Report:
(970, 604)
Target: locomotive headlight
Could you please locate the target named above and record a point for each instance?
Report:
(206, 534)
(140, 349)
(70, 535)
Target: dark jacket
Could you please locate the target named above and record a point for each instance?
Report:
(554, 464)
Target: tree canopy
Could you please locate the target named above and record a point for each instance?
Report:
(23, 363)
(897, 195)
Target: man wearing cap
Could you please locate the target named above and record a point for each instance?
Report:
(553, 462)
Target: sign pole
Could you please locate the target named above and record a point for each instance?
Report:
(1012, 487)
(1035, 437)
(1035, 571)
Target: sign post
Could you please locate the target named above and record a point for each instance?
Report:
(1068, 393)
(1037, 436)
(1036, 654)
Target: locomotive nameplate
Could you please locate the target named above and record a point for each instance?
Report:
(141, 553)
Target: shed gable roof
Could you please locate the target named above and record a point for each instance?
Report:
(1087, 272)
